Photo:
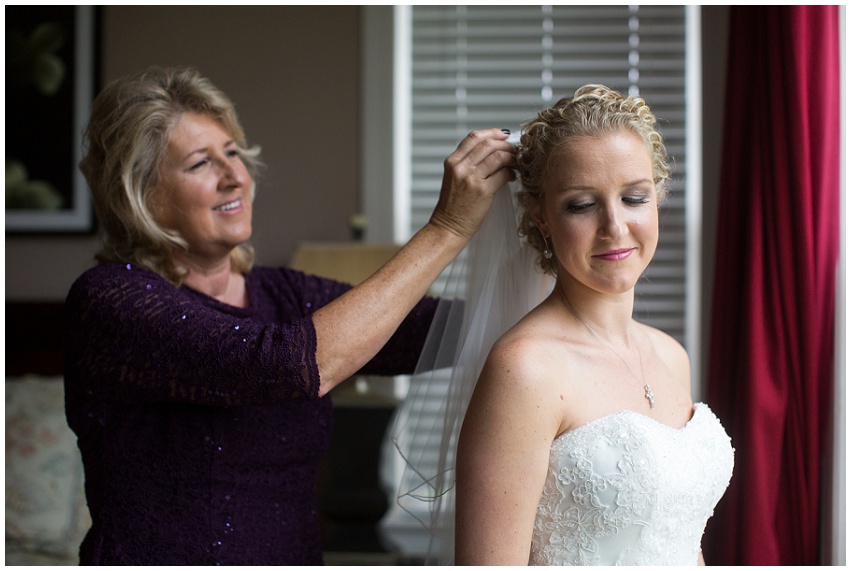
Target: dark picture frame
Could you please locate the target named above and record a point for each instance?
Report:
(51, 72)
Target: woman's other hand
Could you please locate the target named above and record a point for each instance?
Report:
(481, 165)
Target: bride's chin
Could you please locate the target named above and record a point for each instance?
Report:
(612, 287)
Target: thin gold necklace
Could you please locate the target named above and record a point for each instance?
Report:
(648, 394)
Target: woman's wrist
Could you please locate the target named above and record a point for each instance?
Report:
(442, 235)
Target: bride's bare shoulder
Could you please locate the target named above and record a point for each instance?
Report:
(529, 352)
(666, 345)
(671, 354)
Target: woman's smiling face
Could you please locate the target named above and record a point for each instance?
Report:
(601, 211)
(204, 189)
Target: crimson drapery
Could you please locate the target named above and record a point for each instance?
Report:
(771, 349)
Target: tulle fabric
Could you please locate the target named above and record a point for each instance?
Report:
(489, 288)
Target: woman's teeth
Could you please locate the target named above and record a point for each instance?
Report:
(228, 206)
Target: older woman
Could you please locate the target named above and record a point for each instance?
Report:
(194, 381)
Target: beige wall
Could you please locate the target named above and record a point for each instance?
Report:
(293, 74)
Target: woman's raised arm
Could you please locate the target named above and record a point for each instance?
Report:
(353, 328)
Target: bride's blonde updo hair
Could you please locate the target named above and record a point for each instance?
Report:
(593, 111)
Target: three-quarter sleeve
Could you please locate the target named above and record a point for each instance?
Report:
(401, 352)
(133, 337)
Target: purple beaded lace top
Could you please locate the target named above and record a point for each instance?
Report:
(199, 423)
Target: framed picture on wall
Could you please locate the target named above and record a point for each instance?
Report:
(50, 84)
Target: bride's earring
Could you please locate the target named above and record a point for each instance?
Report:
(548, 254)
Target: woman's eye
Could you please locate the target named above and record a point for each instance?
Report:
(636, 200)
(198, 165)
(579, 207)
(232, 153)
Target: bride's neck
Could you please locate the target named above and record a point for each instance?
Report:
(610, 316)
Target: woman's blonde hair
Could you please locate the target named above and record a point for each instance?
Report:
(125, 142)
(593, 111)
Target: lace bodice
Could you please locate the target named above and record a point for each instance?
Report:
(627, 490)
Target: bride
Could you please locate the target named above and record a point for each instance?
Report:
(581, 443)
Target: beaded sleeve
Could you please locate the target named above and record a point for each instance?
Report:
(399, 355)
(133, 337)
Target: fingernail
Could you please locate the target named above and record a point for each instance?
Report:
(506, 131)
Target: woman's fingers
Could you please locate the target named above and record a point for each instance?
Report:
(481, 164)
(501, 162)
(484, 152)
(479, 156)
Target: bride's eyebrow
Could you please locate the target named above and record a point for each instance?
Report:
(640, 182)
(580, 186)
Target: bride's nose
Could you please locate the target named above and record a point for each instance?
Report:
(612, 223)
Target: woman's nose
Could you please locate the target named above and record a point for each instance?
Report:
(612, 223)
(232, 174)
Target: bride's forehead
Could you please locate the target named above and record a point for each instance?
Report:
(579, 160)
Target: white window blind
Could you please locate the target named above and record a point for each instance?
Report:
(475, 67)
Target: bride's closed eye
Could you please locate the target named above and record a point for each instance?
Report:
(579, 207)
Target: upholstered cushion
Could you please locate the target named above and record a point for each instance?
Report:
(46, 515)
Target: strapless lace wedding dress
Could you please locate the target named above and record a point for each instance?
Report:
(627, 490)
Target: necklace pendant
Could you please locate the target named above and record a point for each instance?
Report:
(648, 394)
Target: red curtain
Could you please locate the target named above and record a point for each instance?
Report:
(771, 349)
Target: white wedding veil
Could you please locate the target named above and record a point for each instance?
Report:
(499, 281)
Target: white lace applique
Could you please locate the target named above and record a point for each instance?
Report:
(627, 490)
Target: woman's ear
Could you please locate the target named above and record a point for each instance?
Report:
(156, 201)
(543, 228)
(153, 200)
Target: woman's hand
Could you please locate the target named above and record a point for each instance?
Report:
(481, 165)
(353, 328)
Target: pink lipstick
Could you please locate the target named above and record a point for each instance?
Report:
(615, 255)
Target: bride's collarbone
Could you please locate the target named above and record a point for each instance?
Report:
(592, 384)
